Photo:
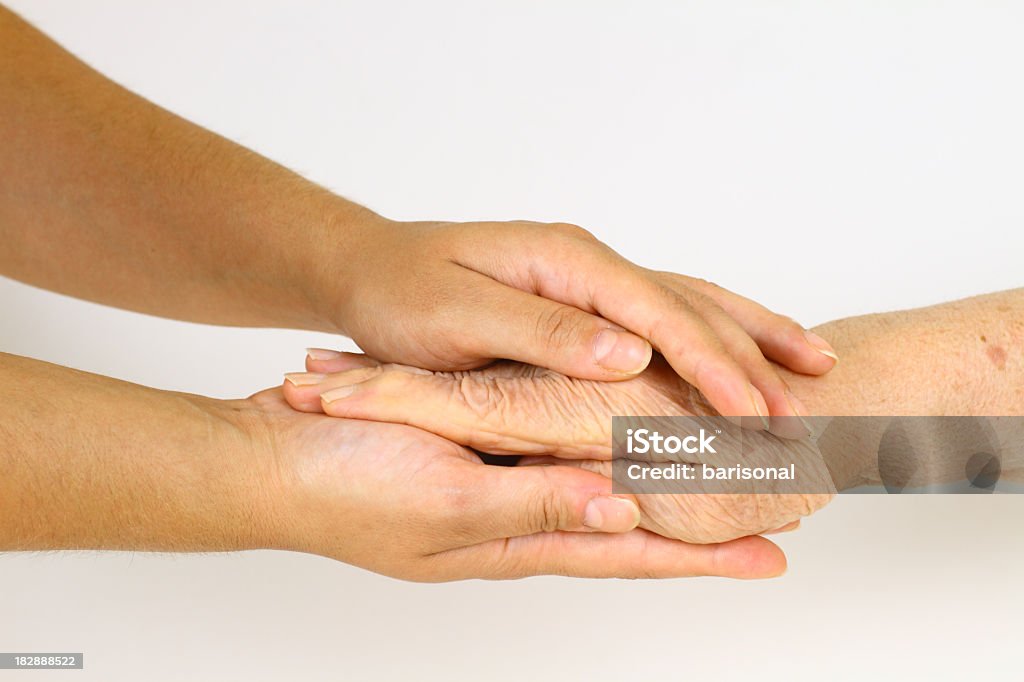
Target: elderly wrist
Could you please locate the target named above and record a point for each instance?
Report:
(886, 368)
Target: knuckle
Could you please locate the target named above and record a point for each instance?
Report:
(457, 501)
(365, 374)
(790, 330)
(700, 300)
(391, 381)
(548, 513)
(517, 561)
(745, 513)
(487, 405)
(707, 284)
(572, 231)
(771, 384)
(670, 280)
(761, 372)
(456, 511)
(559, 327)
(507, 563)
(788, 323)
(481, 397)
(675, 302)
(680, 331)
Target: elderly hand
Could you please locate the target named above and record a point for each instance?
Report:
(511, 408)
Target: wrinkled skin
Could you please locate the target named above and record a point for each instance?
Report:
(511, 408)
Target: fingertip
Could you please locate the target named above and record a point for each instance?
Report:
(301, 391)
(786, 342)
(760, 405)
(378, 392)
(326, 361)
(803, 351)
(301, 379)
(821, 345)
(749, 558)
(788, 415)
(744, 413)
(822, 348)
(322, 360)
(322, 354)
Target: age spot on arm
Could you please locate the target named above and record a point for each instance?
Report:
(997, 354)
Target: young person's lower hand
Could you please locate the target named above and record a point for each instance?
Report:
(511, 408)
(94, 463)
(409, 504)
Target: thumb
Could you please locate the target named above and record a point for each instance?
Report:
(528, 500)
(561, 337)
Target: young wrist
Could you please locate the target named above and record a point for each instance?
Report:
(244, 470)
(344, 238)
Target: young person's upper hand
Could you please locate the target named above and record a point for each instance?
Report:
(192, 226)
(453, 296)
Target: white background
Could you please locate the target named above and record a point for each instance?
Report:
(827, 159)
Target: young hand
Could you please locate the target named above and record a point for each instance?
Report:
(409, 504)
(511, 408)
(454, 296)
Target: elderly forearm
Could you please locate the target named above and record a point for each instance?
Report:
(108, 197)
(960, 358)
(93, 463)
(964, 358)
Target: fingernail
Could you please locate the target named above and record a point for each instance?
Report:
(799, 410)
(304, 378)
(410, 369)
(821, 345)
(322, 354)
(737, 559)
(760, 406)
(621, 352)
(338, 393)
(611, 515)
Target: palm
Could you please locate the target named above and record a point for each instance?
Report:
(350, 469)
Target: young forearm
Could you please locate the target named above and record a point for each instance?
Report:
(108, 197)
(90, 462)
